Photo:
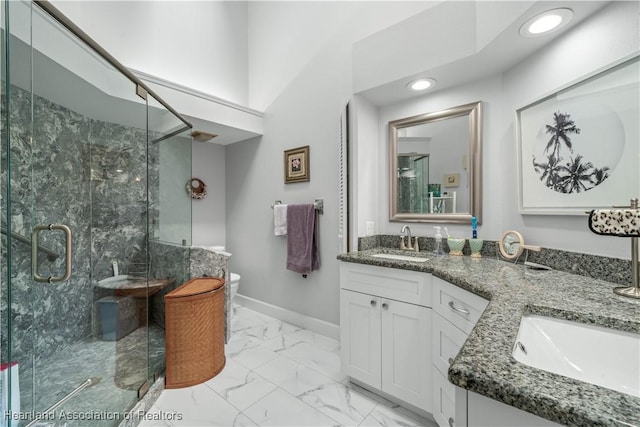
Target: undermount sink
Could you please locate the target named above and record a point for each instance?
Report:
(401, 257)
(593, 354)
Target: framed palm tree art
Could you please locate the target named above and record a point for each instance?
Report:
(578, 148)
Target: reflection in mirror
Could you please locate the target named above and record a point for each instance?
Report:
(435, 166)
(413, 180)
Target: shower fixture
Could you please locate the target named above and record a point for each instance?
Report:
(202, 136)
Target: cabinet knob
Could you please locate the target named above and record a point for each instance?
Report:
(450, 361)
(385, 305)
(373, 303)
(451, 422)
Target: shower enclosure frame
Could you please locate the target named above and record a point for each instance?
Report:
(142, 91)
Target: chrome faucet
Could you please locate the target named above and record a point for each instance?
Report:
(409, 246)
(405, 228)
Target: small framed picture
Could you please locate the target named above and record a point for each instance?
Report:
(296, 165)
(452, 180)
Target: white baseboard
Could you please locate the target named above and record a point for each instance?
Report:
(318, 326)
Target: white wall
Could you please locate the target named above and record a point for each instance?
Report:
(208, 215)
(303, 102)
(198, 44)
(255, 179)
(284, 37)
(365, 165)
(606, 37)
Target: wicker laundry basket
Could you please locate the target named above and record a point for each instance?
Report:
(194, 323)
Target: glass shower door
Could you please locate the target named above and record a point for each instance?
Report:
(77, 208)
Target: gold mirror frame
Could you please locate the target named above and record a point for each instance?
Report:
(474, 112)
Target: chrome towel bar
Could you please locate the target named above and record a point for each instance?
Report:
(318, 204)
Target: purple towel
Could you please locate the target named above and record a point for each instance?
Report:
(302, 239)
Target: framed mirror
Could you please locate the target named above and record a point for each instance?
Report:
(435, 166)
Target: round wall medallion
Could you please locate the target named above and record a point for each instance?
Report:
(197, 188)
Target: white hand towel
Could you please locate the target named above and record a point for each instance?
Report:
(280, 220)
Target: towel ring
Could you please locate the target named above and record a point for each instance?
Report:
(197, 191)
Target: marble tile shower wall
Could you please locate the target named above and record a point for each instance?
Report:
(67, 174)
(167, 260)
(207, 263)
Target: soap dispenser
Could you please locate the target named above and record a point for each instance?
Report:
(438, 245)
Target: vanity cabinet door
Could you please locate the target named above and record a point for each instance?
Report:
(406, 352)
(447, 341)
(360, 336)
(444, 401)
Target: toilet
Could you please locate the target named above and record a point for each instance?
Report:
(234, 282)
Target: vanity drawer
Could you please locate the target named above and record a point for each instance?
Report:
(413, 287)
(444, 401)
(446, 343)
(458, 306)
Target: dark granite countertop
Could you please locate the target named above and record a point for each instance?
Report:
(485, 365)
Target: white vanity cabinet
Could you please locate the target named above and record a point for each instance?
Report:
(456, 311)
(482, 411)
(385, 330)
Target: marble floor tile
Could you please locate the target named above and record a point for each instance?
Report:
(246, 319)
(284, 342)
(278, 375)
(282, 409)
(268, 330)
(197, 406)
(324, 361)
(291, 376)
(384, 416)
(243, 421)
(386, 407)
(341, 403)
(254, 357)
(316, 340)
(239, 386)
(239, 343)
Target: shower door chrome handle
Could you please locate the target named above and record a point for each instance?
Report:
(34, 253)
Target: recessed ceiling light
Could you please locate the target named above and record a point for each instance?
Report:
(546, 22)
(421, 84)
